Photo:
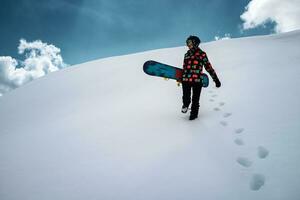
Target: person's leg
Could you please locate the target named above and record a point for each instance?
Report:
(195, 99)
(186, 94)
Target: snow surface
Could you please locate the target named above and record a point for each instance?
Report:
(106, 130)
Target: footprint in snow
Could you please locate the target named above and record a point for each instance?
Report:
(214, 95)
(223, 123)
(262, 152)
(239, 141)
(221, 104)
(239, 130)
(210, 91)
(245, 162)
(211, 100)
(257, 181)
(217, 109)
(227, 115)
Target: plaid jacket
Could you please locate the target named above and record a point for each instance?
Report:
(194, 61)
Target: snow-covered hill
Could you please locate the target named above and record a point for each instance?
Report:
(106, 130)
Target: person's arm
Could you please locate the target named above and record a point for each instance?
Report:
(208, 67)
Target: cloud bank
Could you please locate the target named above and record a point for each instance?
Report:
(285, 14)
(40, 59)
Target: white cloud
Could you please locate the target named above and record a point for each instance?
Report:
(226, 37)
(285, 13)
(40, 59)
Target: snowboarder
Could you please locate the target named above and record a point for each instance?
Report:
(193, 63)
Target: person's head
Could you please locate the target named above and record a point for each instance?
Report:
(192, 41)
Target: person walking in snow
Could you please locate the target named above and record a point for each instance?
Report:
(193, 63)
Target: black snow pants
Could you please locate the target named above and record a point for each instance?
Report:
(186, 97)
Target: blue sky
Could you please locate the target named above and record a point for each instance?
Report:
(89, 29)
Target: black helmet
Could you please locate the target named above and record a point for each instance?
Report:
(194, 39)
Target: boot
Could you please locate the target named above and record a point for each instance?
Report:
(193, 116)
(184, 109)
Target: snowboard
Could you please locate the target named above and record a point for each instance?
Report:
(154, 68)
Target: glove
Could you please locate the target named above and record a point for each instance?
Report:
(217, 82)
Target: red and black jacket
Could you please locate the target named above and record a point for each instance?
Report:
(194, 61)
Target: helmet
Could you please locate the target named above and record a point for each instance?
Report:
(194, 39)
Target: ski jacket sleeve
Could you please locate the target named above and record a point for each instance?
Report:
(208, 67)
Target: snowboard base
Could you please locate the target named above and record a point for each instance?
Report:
(158, 69)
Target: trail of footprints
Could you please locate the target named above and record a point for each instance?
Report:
(257, 179)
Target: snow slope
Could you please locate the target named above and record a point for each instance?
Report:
(106, 130)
